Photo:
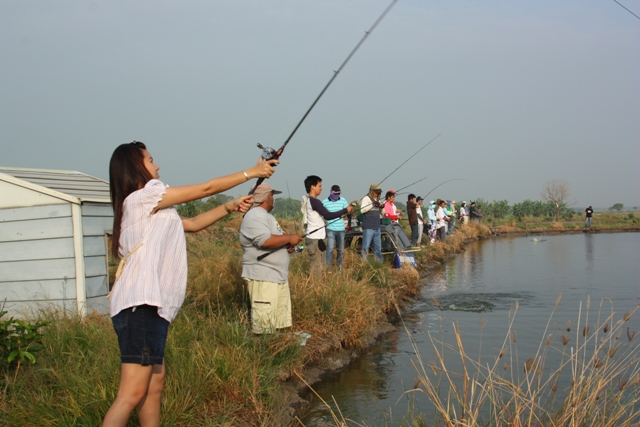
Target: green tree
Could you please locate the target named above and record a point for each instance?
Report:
(500, 209)
(285, 207)
(617, 207)
(518, 210)
(196, 207)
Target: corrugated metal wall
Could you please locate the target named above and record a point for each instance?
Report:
(37, 266)
(96, 219)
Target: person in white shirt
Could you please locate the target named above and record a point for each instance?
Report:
(421, 220)
(464, 214)
(150, 286)
(441, 220)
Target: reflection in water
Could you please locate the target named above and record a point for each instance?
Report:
(588, 247)
(478, 291)
(458, 275)
(367, 379)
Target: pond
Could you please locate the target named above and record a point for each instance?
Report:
(512, 300)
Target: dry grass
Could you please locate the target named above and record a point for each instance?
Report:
(595, 382)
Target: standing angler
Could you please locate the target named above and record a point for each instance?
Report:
(151, 282)
(370, 211)
(267, 278)
(316, 213)
(413, 218)
(335, 228)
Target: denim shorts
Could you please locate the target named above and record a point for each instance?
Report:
(142, 335)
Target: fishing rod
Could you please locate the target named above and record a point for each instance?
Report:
(422, 148)
(399, 189)
(301, 246)
(269, 153)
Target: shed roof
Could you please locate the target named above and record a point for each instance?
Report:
(76, 186)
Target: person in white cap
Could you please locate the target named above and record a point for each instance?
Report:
(267, 278)
(431, 219)
(464, 214)
(452, 215)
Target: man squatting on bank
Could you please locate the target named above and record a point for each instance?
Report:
(266, 279)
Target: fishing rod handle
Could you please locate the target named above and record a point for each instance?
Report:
(297, 249)
(253, 189)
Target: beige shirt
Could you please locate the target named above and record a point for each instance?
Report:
(156, 273)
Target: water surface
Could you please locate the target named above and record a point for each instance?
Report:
(479, 290)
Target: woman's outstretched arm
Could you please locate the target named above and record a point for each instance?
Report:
(187, 193)
(205, 219)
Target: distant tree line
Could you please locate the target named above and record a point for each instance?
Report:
(554, 204)
(196, 207)
(285, 207)
(499, 209)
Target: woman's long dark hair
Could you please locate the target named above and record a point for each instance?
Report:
(127, 173)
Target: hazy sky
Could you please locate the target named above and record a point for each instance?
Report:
(520, 92)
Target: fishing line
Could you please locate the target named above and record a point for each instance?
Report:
(269, 153)
(394, 171)
(621, 5)
(399, 189)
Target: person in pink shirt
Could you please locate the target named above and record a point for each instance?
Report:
(148, 237)
(390, 210)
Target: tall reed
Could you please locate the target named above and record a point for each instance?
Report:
(586, 378)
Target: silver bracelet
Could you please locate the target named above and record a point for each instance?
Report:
(245, 175)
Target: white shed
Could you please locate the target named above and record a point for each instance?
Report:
(53, 240)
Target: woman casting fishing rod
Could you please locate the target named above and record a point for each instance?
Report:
(150, 286)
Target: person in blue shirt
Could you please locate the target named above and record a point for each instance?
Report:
(335, 227)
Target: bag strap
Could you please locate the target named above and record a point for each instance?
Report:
(123, 261)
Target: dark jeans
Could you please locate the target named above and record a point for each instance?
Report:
(414, 234)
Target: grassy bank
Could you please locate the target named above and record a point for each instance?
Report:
(602, 222)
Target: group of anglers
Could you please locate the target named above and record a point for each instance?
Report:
(374, 212)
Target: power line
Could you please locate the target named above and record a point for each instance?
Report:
(626, 9)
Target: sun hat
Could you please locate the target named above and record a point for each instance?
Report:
(261, 193)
